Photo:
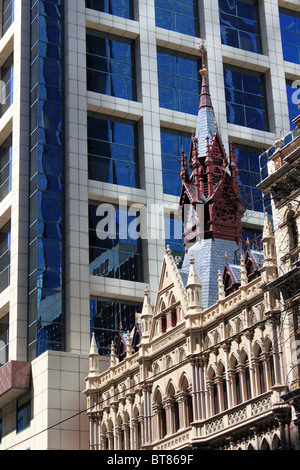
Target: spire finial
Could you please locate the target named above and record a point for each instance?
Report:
(203, 54)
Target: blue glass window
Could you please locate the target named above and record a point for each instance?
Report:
(123, 8)
(293, 97)
(290, 35)
(46, 201)
(107, 316)
(181, 16)
(4, 339)
(5, 242)
(240, 24)
(112, 151)
(7, 82)
(110, 65)
(7, 14)
(172, 143)
(246, 98)
(23, 412)
(5, 167)
(178, 80)
(249, 177)
(115, 247)
(174, 237)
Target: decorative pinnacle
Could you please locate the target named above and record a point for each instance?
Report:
(203, 54)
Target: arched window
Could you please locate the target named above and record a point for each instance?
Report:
(237, 383)
(175, 409)
(216, 399)
(224, 387)
(261, 373)
(246, 377)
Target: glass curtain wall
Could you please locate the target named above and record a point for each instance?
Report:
(46, 315)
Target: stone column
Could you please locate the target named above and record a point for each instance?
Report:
(283, 415)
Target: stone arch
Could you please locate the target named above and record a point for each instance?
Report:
(276, 443)
(211, 372)
(182, 354)
(171, 389)
(156, 369)
(162, 305)
(172, 299)
(184, 382)
(158, 396)
(233, 360)
(169, 361)
(265, 444)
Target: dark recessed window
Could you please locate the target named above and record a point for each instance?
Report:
(7, 14)
(5, 243)
(123, 8)
(110, 65)
(107, 317)
(7, 79)
(246, 98)
(4, 339)
(23, 412)
(178, 80)
(249, 177)
(172, 143)
(181, 16)
(115, 244)
(290, 35)
(5, 167)
(112, 151)
(240, 24)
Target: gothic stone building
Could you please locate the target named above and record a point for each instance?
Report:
(207, 366)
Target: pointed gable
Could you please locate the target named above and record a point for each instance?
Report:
(170, 290)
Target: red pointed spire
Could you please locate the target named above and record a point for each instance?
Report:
(184, 171)
(205, 98)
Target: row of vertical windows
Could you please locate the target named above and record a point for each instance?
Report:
(110, 71)
(46, 319)
(239, 21)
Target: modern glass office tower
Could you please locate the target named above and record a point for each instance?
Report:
(98, 98)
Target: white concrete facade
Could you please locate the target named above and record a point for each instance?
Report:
(58, 378)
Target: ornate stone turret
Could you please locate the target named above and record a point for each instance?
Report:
(193, 288)
(146, 317)
(269, 270)
(94, 358)
(113, 357)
